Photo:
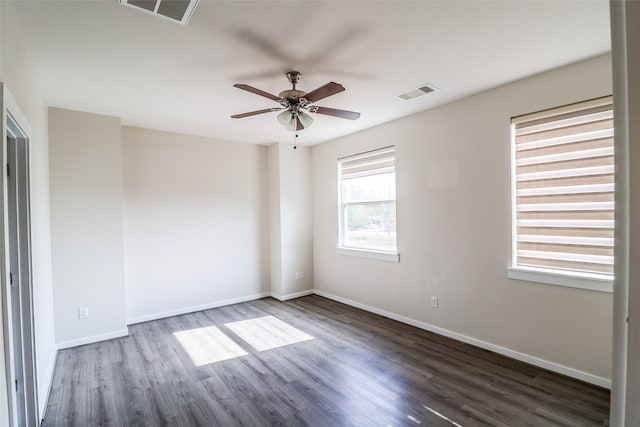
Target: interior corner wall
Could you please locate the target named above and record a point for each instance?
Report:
(291, 222)
(196, 230)
(275, 244)
(17, 72)
(296, 219)
(454, 233)
(86, 225)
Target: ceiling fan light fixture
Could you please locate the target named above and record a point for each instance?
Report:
(297, 104)
(288, 120)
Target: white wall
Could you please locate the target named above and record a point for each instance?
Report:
(86, 225)
(291, 220)
(453, 215)
(196, 230)
(18, 73)
(625, 392)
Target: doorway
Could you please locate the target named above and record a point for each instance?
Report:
(17, 289)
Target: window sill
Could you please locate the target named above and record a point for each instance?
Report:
(592, 282)
(364, 253)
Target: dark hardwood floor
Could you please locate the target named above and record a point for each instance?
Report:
(359, 370)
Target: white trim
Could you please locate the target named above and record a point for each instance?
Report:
(592, 282)
(536, 361)
(363, 253)
(291, 296)
(12, 113)
(93, 339)
(369, 202)
(43, 400)
(11, 106)
(194, 308)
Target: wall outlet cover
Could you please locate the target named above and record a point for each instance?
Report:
(83, 312)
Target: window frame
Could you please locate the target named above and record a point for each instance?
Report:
(362, 252)
(568, 278)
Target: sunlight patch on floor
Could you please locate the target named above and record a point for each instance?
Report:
(433, 411)
(265, 333)
(414, 419)
(208, 345)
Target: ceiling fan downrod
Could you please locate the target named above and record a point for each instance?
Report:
(294, 78)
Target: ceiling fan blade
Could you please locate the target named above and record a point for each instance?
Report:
(253, 113)
(322, 92)
(256, 91)
(343, 114)
(299, 125)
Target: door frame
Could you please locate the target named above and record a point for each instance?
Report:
(16, 127)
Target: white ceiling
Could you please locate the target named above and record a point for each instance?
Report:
(102, 57)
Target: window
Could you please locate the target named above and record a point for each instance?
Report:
(563, 195)
(367, 192)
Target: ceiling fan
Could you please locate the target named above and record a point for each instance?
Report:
(296, 103)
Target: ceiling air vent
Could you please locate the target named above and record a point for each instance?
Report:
(175, 10)
(416, 93)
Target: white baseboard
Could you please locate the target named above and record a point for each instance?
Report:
(293, 295)
(93, 339)
(551, 366)
(44, 392)
(194, 308)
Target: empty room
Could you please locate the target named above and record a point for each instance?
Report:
(320, 213)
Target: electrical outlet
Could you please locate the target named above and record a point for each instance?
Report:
(299, 275)
(434, 302)
(83, 312)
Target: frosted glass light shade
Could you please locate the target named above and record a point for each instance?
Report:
(288, 120)
(305, 119)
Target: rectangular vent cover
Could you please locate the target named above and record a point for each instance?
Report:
(417, 92)
(175, 10)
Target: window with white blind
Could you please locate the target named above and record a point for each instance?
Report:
(367, 197)
(563, 195)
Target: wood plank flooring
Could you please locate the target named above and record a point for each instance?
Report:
(359, 369)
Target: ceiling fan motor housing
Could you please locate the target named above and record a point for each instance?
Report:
(292, 94)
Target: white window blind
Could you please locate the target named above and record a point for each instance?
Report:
(564, 188)
(371, 163)
(368, 201)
